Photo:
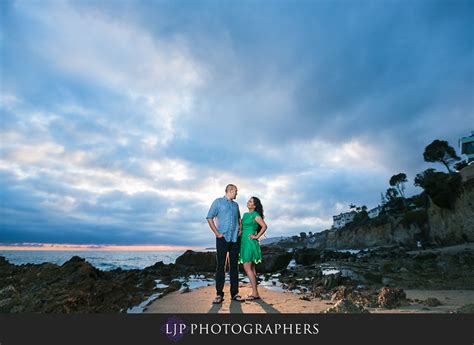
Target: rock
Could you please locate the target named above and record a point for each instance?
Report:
(8, 292)
(339, 293)
(198, 261)
(387, 281)
(75, 258)
(307, 256)
(366, 297)
(274, 259)
(466, 309)
(76, 287)
(328, 255)
(432, 302)
(4, 261)
(345, 306)
(158, 266)
(78, 270)
(391, 297)
(372, 277)
(330, 281)
(446, 263)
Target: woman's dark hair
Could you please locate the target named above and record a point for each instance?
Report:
(258, 206)
(258, 209)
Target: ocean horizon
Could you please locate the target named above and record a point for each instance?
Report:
(104, 260)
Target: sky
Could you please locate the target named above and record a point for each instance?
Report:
(121, 121)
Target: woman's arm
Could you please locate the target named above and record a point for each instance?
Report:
(262, 223)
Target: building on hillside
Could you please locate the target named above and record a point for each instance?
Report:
(374, 212)
(342, 219)
(466, 145)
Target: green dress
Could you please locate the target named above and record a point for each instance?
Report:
(249, 249)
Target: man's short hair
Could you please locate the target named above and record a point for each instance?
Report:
(229, 187)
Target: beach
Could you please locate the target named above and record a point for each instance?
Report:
(200, 301)
(382, 280)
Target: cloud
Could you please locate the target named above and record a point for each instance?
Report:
(120, 124)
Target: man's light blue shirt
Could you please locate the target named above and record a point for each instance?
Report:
(227, 213)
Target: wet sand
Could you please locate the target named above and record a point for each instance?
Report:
(200, 301)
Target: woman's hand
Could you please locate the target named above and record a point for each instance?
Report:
(253, 237)
(219, 235)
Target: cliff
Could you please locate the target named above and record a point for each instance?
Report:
(454, 226)
(438, 227)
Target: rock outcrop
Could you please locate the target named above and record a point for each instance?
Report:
(199, 261)
(77, 287)
(274, 259)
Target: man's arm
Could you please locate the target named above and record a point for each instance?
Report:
(213, 211)
(240, 223)
(213, 227)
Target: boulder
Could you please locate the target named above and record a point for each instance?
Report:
(391, 297)
(274, 259)
(466, 309)
(345, 306)
(78, 270)
(328, 255)
(330, 281)
(198, 261)
(307, 256)
(4, 261)
(339, 293)
(432, 302)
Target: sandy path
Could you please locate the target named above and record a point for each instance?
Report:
(200, 301)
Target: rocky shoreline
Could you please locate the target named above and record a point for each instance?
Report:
(377, 278)
(353, 282)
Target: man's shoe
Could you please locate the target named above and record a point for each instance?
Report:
(218, 299)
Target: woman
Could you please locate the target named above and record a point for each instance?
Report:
(253, 227)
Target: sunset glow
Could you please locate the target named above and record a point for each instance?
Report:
(56, 246)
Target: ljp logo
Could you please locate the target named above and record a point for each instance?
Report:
(174, 328)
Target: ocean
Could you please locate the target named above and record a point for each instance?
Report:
(101, 259)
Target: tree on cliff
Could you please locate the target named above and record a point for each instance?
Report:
(394, 202)
(442, 188)
(398, 181)
(440, 151)
(391, 194)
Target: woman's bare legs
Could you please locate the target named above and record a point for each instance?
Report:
(252, 277)
(254, 271)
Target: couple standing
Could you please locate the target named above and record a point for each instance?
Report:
(239, 238)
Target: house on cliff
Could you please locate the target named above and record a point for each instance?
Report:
(342, 219)
(466, 145)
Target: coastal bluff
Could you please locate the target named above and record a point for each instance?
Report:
(439, 227)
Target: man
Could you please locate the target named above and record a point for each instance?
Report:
(227, 230)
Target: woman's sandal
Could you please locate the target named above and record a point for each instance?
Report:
(252, 298)
(218, 300)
